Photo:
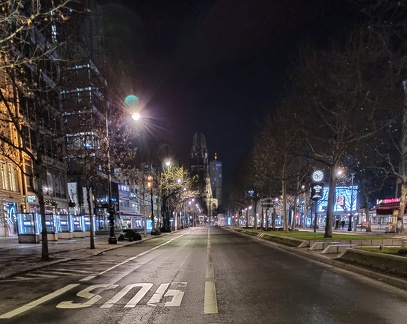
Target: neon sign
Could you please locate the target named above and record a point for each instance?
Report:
(390, 201)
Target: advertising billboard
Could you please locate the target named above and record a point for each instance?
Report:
(344, 197)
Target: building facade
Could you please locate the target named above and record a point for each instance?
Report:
(215, 174)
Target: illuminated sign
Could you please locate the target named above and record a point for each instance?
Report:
(388, 201)
(31, 199)
(316, 191)
(345, 196)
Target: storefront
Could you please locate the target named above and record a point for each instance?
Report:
(132, 220)
(387, 211)
(8, 221)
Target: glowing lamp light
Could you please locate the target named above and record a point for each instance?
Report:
(136, 116)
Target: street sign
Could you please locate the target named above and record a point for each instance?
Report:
(267, 202)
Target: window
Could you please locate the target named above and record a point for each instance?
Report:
(3, 176)
(11, 178)
(50, 184)
(28, 171)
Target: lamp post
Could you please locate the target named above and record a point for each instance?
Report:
(112, 238)
(352, 175)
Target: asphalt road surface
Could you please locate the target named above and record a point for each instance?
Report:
(198, 275)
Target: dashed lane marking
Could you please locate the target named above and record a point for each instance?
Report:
(210, 301)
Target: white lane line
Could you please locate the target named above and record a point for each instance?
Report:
(63, 273)
(40, 275)
(210, 301)
(87, 278)
(132, 258)
(210, 304)
(37, 302)
(73, 270)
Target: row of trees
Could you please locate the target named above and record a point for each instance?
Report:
(343, 107)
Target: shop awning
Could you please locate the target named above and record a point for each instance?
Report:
(387, 209)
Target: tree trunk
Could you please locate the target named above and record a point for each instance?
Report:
(152, 210)
(273, 219)
(331, 201)
(165, 215)
(92, 230)
(304, 210)
(368, 221)
(400, 226)
(284, 192)
(247, 217)
(366, 204)
(293, 221)
(44, 236)
(262, 218)
(255, 214)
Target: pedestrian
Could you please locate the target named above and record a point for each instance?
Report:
(342, 223)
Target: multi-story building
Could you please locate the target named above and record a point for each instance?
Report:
(215, 174)
(12, 198)
(86, 109)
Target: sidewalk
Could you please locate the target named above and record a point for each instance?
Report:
(18, 257)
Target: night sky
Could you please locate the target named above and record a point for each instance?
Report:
(214, 67)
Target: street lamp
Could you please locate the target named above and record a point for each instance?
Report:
(150, 185)
(130, 101)
(112, 238)
(352, 174)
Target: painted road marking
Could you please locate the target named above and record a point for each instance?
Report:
(210, 301)
(176, 295)
(171, 297)
(37, 302)
(145, 287)
(158, 295)
(86, 293)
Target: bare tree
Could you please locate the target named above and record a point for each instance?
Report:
(343, 93)
(22, 21)
(386, 21)
(277, 154)
(29, 93)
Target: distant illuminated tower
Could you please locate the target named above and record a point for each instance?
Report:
(200, 169)
(215, 173)
(199, 160)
